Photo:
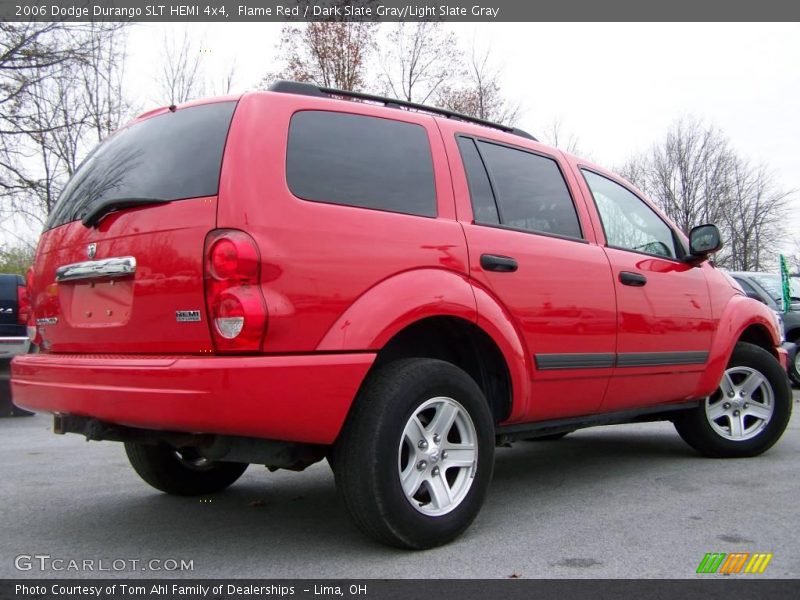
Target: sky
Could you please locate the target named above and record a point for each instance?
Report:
(616, 87)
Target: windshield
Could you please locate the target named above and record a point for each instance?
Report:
(772, 284)
(172, 156)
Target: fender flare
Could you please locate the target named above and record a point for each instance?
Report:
(739, 314)
(403, 299)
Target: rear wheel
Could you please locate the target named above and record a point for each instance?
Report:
(415, 458)
(749, 411)
(181, 471)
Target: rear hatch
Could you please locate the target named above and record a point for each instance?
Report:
(119, 268)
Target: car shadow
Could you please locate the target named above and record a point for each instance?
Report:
(266, 515)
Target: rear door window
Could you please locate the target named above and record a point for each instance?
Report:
(530, 191)
(362, 161)
(172, 156)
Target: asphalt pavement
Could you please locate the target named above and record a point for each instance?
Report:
(628, 501)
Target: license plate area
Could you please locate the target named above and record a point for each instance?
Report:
(97, 303)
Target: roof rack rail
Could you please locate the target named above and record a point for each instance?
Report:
(308, 89)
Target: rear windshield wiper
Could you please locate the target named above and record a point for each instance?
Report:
(96, 213)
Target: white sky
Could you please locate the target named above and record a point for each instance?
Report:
(617, 87)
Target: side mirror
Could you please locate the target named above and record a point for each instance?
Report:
(703, 240)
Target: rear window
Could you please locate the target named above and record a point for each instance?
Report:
(361, 161)
(173, 156)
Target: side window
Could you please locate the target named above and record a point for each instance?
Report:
(530, 190)
(362, 161)
(627, 221)
(480, 190)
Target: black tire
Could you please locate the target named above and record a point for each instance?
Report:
(696, 430)
(368, 455)
(794, 367)
(547, 438)
(161, 466)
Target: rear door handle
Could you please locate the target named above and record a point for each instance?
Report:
(634, 279)
(501, 264)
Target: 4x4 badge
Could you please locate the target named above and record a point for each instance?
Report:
(91, 250)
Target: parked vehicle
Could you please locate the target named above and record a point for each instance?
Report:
(14, 312)
(767, 288)
(306, 273)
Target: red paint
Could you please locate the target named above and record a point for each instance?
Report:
(337, 284)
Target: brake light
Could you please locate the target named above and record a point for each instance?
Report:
(23, 305)
(236, 306)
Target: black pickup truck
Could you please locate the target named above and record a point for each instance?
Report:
(14, 310)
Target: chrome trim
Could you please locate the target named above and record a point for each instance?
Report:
(93, 269)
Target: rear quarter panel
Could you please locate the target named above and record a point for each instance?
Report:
(318, 259)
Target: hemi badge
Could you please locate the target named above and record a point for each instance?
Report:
(47, 321)
(187, 316)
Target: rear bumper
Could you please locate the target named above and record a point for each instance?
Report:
(11, 346)
(302, 398)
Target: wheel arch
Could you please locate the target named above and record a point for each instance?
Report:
(400, 316)
(743, 320)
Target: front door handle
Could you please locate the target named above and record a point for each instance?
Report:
(501, 264)
(634, 279)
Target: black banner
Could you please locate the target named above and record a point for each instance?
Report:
(398, 10)
(442, 589)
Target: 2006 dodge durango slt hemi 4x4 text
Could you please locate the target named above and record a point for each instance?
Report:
(304, 273)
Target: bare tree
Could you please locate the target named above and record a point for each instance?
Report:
(181, 76)
(420, 58)
(687, 173)
(481, 96)
(555, 135)
(224, 85)
(753, 217)
(56, 108)
(696, 177)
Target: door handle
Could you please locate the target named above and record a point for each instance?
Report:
(501, 264)
(634, 279)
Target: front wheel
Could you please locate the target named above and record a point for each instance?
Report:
(415, 458)
(181, 471)
(749, 411)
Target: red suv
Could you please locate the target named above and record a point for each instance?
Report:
(307, 273)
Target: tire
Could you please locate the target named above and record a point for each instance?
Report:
(794, 367)
(379, 444)
(181, 472)
(738, 426)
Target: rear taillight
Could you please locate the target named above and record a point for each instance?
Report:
(23, 305)
(236, 308)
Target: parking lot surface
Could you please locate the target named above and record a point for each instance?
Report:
(611, 502)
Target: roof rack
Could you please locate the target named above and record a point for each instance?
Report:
(308, 89)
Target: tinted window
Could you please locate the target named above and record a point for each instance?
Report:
(361, 161)
(627, 221)
(531, 192)
(172, 156)
(484, 208)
